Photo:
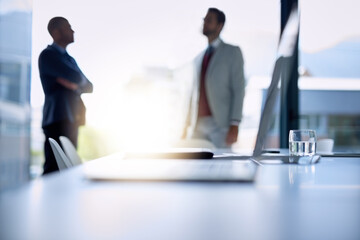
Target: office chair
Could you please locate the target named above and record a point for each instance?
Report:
(70, 151)
(62, 160)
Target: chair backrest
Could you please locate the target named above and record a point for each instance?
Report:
(324, 145)
(61, 159)
(70, 151)
(195, 143)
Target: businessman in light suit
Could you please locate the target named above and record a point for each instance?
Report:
(217, 99)
(63, 83)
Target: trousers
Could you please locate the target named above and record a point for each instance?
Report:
(206, 128)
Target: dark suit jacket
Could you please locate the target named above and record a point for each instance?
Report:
(62, 104)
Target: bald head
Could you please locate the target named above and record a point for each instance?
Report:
(56, 23)
(60, 30)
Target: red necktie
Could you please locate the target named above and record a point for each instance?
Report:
(204, 109)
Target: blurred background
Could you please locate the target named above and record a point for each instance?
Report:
(138, 56)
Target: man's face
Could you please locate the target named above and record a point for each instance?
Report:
(211, 25)
(67, 34)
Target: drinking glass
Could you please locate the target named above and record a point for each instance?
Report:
(302, 145)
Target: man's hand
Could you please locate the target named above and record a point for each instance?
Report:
(232, 135)
(67, 83)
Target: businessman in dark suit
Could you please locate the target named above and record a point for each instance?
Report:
(63, 83)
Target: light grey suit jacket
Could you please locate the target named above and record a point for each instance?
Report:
(225, 85)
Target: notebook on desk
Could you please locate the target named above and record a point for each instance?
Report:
(162, 166)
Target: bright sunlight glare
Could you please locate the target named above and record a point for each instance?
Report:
(143, 113)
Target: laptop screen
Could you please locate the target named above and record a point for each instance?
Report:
(283, 66)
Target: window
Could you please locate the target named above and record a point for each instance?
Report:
(330, 71)
(139, 58)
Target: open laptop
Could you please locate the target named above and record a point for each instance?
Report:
(232, 168)
(282, 69)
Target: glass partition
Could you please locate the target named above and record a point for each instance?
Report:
(15, 72)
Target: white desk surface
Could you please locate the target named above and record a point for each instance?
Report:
(320, 201)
